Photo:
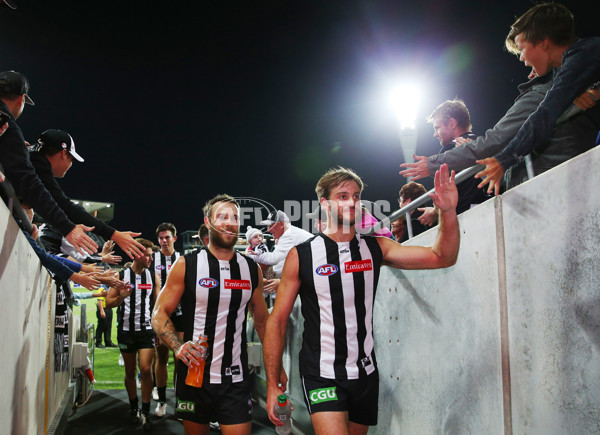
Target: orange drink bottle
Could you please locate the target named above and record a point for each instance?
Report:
(195, 374)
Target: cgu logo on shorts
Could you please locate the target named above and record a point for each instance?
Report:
(160, 267)
(322, 395)
(326, 270)
(237, 284)
(208, 282)
(183, 406)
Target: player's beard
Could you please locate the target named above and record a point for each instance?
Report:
(221, 240)
(346, 223)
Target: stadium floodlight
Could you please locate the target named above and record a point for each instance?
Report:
(405, 101)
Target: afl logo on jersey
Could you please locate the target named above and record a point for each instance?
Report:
(326, 269)
(160, 267)
(208, 282)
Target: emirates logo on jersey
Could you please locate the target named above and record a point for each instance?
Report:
(160, 267)
(144, 286)
(208, 283)
(358, 266)
(237, 284)
(326, 270)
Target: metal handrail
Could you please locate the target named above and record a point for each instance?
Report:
(420, 201)
(14, 205)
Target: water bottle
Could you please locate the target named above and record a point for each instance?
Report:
(195, 374)
(283, 410)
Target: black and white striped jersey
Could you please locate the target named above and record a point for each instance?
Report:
(161, 265)
(215, 304)
(134, 313)
(337, 290)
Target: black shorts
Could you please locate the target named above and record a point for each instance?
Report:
(130, 342)
(228, 403)
(357, 396)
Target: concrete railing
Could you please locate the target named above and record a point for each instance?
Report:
(507, 341)
(32, 392)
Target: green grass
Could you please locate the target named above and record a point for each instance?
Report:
(107, 371)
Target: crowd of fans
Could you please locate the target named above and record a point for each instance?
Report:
(554, 118)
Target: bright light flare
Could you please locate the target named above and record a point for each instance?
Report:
(405, 101)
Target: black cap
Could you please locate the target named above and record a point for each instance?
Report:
(8, 3)
(57, 140)
(12, 82)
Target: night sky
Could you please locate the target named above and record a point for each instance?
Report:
(173, 102)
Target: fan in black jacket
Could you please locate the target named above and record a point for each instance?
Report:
(54, 155)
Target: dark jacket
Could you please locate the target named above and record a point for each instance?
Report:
(568, 139)
(14, 159)
(580, 68)
(75, 212)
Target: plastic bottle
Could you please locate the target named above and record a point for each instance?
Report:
(195, 374)
(283, 410)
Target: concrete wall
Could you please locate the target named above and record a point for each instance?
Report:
(438, 339)
(553, 282)
(31, 391)
(525, 292)
(507, 340)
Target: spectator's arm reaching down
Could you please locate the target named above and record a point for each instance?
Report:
(86, 280)
(62, 268)
(417, 170)
(494, 140)
(110, 278)
(56, 265)
(580, 68)
(126, 242)
(589, 98)
(429, 216)
(107, 253)
(90, 268)
(73, 265)
(29, 187)
(78, 214)
(74, 212)
(81, 241)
